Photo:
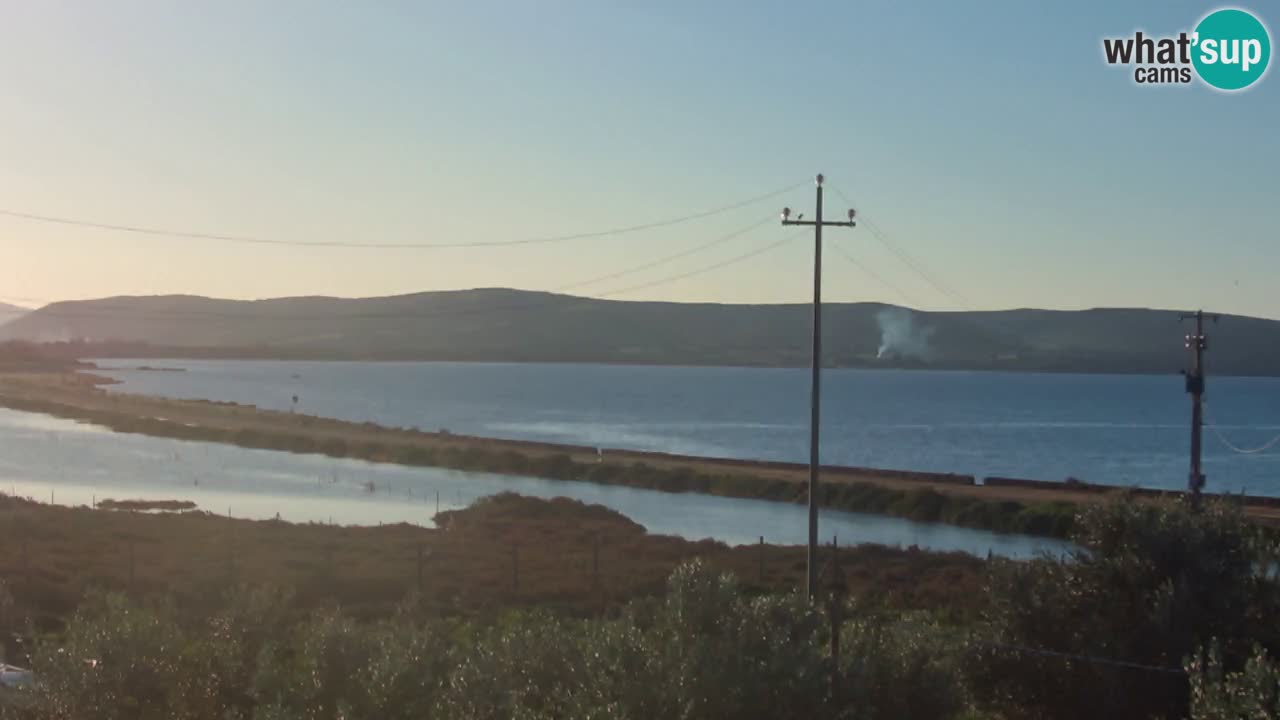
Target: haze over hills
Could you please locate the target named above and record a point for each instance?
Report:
(11, 312)
(521, 326)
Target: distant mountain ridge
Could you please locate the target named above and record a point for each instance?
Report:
(9, 313)
(522, 326)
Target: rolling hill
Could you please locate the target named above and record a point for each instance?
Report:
(520, 326)
(9, 312)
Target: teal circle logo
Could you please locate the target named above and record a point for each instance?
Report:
(1232, 49)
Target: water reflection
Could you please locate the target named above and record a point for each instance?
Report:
(70, 463)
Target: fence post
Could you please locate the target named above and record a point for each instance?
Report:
(515, 568)
(26, 564)
(132, 568)
(595, 562)
(419, 567)
(761, 558)
(835, 628)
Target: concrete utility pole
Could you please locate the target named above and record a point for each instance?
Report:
(1197, 344)
(811, 572)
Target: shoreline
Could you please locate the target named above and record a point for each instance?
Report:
(1004, 505)
(72, 351)
(236, 355)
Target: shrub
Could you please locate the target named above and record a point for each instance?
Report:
(1150, 584)
(526, 667)
(705, 651)
(332, 667)
(118, 660)
(908, 668)
(1217, 694)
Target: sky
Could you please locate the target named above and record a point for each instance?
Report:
(989, 142)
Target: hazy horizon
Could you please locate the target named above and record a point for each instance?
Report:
(996, 148)
(609, 299)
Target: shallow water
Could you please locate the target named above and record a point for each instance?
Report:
(71, 463)
(1114, 429)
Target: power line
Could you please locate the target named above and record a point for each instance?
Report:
(1244, 451)
(1237, 449)
(559, 289)
(123, 310)
(1195, 381)
(916, 265)
(569, 286)
(665, 260)
(197, 235)
(703, 270)
(1021, 649)
(874, 275)
(907, 259)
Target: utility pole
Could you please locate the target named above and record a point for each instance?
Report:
(1197, 344)
(811, 571)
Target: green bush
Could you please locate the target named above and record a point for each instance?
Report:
(909, 669)
(705, 651)
(1150, 584)
(1252, 693)
(331, 667)
(530, 666)
(117, 660)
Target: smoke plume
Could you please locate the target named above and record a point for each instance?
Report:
(901, 337)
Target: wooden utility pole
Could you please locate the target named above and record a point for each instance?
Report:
(811, 572)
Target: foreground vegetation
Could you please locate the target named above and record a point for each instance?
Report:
(703, 651)
(503, 552)
(1165, 612)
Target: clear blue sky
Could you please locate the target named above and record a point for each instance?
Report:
(988, 139)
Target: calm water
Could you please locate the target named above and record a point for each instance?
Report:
(1123, 430)
(70, 463)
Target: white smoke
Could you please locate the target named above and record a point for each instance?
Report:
(900, 337)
